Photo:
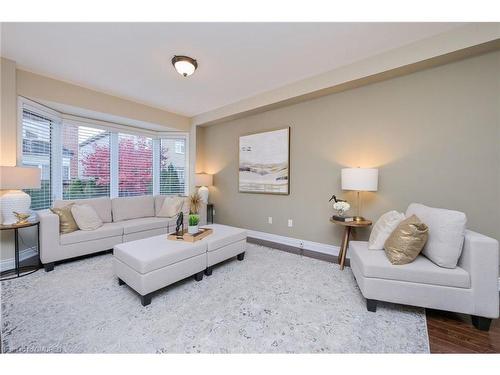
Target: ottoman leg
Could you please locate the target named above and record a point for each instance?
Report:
(483, 324)
(241, 256)
(49, 267)
(198, 276)
(208, 271)
(146, 299)
(120, 281)
(371, 305)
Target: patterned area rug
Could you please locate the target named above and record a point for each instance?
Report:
(272, 302)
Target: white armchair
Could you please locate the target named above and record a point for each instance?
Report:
(470, 288)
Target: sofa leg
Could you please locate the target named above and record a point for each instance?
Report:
(241, 256)
(198, 276)
(120, 281)
(371, 305)
(483, 324)
(49, 267)
(146, 299)
(208, 271)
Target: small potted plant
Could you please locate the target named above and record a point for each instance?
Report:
(193, 222)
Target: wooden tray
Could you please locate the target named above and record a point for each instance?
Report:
(191, 237)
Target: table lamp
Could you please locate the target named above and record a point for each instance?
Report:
(203, 180)
(358, 180)
(12, 198)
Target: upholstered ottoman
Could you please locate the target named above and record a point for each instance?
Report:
(224, 243)
(153, 263)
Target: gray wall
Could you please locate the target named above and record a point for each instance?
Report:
(434, 135)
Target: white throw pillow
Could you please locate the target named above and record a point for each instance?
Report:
(383, 228)
(86, 217)
(171, 207)
(446, 233)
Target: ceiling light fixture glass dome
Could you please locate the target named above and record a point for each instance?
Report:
(184, 65)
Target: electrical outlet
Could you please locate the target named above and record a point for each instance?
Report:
(270, 220)
(290, 223)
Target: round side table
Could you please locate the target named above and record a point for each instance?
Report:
(348, 225)
(20, 270)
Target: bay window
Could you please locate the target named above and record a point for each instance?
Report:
(83, 158)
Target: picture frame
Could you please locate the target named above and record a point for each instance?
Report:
(264, 162)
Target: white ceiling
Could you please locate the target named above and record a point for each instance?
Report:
(236, 60)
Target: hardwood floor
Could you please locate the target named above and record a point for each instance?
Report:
(454, 333)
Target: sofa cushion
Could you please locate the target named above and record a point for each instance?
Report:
(86, 217)
(127, 208)
(374, 264)
(101, 205)
(406, 241)
(142, 224)
(223, 235)
(67, 223)
(171, 207)
(156, 252)
(159, 199)
(446, 233)
(107, 230)
(383, 228)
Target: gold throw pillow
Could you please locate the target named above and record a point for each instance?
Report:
(406, 241)
(67, 223)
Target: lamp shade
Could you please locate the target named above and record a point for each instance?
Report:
(203, 179)
(360, 179)
(17, 178)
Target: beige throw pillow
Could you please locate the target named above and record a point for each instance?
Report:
(171, 207)
(407, 241)
(67, 223)
(86, 217)
(383, 228)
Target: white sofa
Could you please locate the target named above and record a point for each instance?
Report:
(470, 288)
(125, 219)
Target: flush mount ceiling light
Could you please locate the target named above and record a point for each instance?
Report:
(184, 65)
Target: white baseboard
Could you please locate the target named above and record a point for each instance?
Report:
(9, 264)
(296, 242)
(303, 244)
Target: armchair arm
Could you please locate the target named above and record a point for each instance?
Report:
(480, 258)
(49, 235)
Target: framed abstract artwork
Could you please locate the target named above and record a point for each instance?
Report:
(264, 164)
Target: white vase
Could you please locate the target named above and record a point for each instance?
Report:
(14, 200)
(193, 229)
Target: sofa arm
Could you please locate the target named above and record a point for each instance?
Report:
(49, 236)
(480, 257)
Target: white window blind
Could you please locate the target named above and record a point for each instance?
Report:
(36, 152)
(173, 166)
(85, 162)
(135, 165)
